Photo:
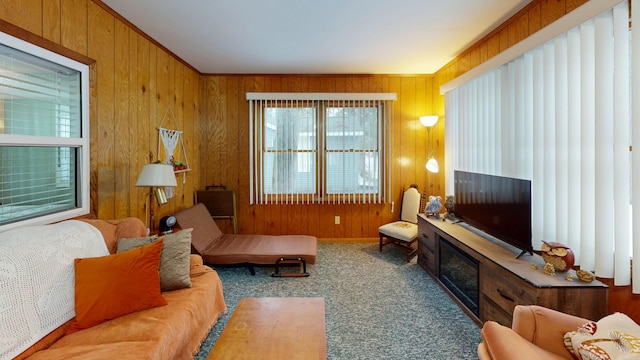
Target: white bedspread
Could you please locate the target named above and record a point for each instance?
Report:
(37, 279)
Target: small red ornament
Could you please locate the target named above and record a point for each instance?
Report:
(558, 255)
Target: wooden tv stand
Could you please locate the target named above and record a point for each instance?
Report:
(505, 281)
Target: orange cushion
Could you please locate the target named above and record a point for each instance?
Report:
(111, 286)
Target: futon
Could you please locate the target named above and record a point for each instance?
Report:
(217, 248)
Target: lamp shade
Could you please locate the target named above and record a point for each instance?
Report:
(429, 120)
(157, 175)
(432, 165)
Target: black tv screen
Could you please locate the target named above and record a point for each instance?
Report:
(497, 205)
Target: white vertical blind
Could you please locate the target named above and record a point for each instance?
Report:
(603, 199)
(635, 142)
(563, 120)
(586, 255)
(622, 140)
(574, 151)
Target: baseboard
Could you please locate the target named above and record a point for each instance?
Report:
(348, 240)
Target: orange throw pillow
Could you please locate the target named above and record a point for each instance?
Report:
(111, 286)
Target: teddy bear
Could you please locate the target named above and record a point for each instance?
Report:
(433, 207)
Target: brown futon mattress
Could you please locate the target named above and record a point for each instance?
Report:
(260, 249)
(218, 248)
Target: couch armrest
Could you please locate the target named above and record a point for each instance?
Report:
(502, 343)
(195, 260)
(197, 266)
(545, 327)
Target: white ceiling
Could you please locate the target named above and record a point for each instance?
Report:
(316, 37)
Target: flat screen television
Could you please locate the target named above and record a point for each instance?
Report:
(497, 205)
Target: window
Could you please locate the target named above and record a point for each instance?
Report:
(44, 135)
(310, 147)
(563, 115)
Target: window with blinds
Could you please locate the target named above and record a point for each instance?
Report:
(316, 148)
(44, 144)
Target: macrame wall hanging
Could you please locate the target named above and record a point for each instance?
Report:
(168, 139)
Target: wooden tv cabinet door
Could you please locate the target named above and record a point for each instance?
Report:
(505, 281)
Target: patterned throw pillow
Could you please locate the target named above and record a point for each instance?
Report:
(615, 336)
(175, 259)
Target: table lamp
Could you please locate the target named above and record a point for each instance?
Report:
(158, 176)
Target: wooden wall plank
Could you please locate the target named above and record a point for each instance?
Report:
(101, 40)
(190, 109)
(141, 121)
(176, 99)
(535, 18)
(520, 30)
(132, 128)
(74, 25)
(26, 14)
(552, 10)
(51, 18)
(573, 4)
(122, 130)
(246, 211)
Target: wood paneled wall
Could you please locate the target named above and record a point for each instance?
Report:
(133, 82)
(224, 146)
(533, 17)
(536, 15)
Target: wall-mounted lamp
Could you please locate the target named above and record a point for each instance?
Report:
(429, 121)
(158, 176)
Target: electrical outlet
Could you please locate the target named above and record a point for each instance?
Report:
(337, 220)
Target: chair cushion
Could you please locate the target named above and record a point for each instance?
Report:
(205, 232)
(400, 230)
(410, 205)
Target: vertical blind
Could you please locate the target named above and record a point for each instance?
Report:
(561, 115)
(320, 147)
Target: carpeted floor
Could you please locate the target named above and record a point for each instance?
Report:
(377, 305)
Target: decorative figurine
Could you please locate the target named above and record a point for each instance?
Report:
(433, 207)
(450, 205)
(559, 255)
(585, 276)
(549, 269)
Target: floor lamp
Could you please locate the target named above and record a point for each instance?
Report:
(429, 121)
(158, 176)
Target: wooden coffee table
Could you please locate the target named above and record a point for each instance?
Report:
(274, 328)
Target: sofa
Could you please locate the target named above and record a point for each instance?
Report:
(542, 333)
(172, 328)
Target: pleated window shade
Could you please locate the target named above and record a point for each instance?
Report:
(561, 115)
(320, 147)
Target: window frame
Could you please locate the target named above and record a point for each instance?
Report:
(82, 143)
(260, 102)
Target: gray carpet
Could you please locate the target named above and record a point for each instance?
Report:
(377, 305)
